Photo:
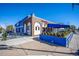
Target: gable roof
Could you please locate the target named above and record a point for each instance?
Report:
(21, 21)
(46, 20)
(32, 15)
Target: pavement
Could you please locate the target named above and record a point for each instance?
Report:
(16, 41)
(74, 43)
(37, 48)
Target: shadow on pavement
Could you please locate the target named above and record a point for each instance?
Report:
(43, 50)
(5, 47)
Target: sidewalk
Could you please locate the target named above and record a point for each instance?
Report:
(74, 43)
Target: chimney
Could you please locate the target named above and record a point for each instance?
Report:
(32, 14)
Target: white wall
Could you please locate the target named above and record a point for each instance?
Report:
(37, 32)
(24, 28)
(29, 28)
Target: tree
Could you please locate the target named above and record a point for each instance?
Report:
(78, 28)
(9, 28)
(1, 29)
(73, 27)
(4, 36)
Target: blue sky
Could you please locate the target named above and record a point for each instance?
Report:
(60, 13)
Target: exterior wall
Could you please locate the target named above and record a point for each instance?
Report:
(23, 28)
(19, 26)
(29, 20)
(20, 30)
(37, 28)
(29, 28)
(34, 20)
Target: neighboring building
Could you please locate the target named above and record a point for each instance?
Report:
(31, 25)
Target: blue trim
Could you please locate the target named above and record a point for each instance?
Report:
(53, 40)
(69, 37)
(58, 26)
(56, 40)
(21, 22)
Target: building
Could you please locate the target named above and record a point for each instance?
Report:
(31, 25)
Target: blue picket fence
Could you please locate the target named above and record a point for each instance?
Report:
(56, 40)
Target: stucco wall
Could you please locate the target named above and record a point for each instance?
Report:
(33, 20)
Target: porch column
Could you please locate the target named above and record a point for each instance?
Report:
(24, 28)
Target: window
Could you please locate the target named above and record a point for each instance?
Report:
(43, 24)
(38, 28)
(35, 28)
(19, 30)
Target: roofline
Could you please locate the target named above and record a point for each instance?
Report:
(21, 20)
(45, 20)
(38, 18)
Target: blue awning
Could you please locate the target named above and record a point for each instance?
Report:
(58, 26)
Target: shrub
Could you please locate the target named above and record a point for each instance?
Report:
(61, 34)
(58, 34)
(52, 34)
(48, 33)
(4, 36)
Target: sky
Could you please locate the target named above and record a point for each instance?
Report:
(11, 13)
